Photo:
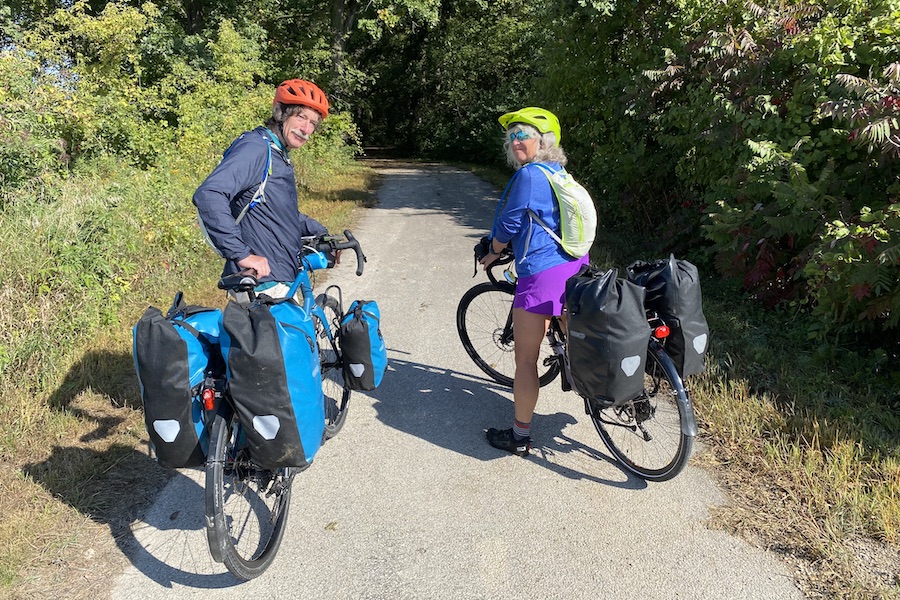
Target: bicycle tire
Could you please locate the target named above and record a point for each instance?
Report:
(484, 324)
(246, 507)
(335, 389)
(652, 435)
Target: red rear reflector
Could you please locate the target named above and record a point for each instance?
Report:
(661, 332)
(209, 399)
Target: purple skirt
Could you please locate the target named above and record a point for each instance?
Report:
(544, 293)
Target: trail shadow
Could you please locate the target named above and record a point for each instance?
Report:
(452, 410)
(109, 374)
(155, 541)
(432, 187)
(109, 477)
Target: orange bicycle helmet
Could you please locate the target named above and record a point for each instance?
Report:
(305, 93)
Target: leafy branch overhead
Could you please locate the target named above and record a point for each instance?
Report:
(740, 131)
(872, 111)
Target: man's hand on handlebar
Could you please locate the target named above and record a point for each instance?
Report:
(260, 264)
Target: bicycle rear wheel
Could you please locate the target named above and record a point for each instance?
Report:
(246, 507)
(335, 389)
(652, 435)
(484, 323)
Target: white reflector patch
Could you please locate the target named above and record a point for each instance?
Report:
(267, 426)
(631, 364)
(700, 343)
(167, 429)
(357, 369)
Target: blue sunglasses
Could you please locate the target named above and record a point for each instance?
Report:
(520, 136)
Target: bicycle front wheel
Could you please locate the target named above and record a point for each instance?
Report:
(246, 507)
(335, 389)
(484, 323)
(652, 435)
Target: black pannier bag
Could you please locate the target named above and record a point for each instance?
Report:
(365, 355)
(173, 354)
(673, 291)
(607, 336)
(275, 380)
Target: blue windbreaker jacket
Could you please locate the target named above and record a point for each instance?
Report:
(271, 229)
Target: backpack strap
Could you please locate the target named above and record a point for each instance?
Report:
(548, 173)
(259, 197)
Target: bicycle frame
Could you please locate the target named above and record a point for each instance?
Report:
(238, 490)
(312, 261)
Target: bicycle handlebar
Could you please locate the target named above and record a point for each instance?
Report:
(481, 250)
(329, 244)
(246, 280)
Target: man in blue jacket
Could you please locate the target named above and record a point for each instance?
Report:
(248, 204)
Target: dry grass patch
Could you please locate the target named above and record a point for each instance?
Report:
(804, 486)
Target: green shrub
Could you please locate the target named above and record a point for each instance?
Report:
(760, 132)
(31, 143)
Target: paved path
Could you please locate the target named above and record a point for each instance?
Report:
(409, 501)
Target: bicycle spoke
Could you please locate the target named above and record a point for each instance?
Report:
(646, 434)
(483, 320)
(246, 506)
(336, 391)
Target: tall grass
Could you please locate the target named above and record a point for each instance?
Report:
(808, 447)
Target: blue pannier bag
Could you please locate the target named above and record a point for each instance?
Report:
(275, 381)
(362, 345)
(173, 354)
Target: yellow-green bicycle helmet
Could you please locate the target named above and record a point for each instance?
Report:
(544, 120)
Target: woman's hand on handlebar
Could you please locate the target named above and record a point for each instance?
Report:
(491, 252)
(260, 264)
(488, 260)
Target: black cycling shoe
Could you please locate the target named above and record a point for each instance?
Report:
(505, 440)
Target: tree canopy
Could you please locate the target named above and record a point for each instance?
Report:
(758, 138)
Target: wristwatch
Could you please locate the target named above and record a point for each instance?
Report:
(491, 249)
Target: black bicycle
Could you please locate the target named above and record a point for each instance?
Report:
(247, 506)
(651, 435)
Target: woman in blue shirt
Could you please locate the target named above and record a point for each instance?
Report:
(532, 136)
